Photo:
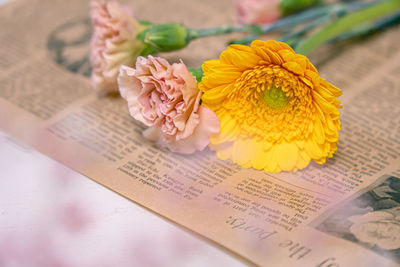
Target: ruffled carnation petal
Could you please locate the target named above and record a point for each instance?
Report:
(166, 98)
(130, 89)
(208, 125)
(113, 43)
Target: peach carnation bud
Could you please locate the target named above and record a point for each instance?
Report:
(166, 98)
(113, 43)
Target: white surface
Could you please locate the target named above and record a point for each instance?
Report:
(53, 216)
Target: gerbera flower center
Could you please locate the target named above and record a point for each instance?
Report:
(271, 103)
(275, 98)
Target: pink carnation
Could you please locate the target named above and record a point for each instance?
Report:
(166, 98)
(257, 11)
(113, 43)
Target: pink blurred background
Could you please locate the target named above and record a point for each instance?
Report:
(53, 216)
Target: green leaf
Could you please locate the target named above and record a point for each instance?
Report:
(197, 73)
(346, 23)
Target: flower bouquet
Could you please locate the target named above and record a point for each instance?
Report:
(261, 104)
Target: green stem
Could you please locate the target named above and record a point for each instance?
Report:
(346, 23)
(195, 34)
(305, 29)
(225, 29)
(289, 21)
(312, 15)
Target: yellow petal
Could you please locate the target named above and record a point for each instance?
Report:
(300, 143)
(319, 132)
(320, 160)
(228, 124)
(312, 76)
(274, 45)
(325, 93)
(313, 149)
(271, 161)
(286, 55)
(293, 67)
(302, 160)
(241, 59)
(333, 89)
(333, 138)
(240, 47)
(320, 113)
(243, 151)
(275, 58)
(228, 130)
(307, 82)
(325, 105)
(287, 154)
(330, 126)
(276, 169)
(302, 61)
(312, 68)
(225, 152)
(209, 64)
(217, 78)
(261, 53)
(216, 94)
(259, 158)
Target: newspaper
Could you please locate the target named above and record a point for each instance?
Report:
(343, 213)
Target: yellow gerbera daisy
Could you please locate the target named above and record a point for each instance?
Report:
(276, 113)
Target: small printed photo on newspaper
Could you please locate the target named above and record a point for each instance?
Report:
(370, 219)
